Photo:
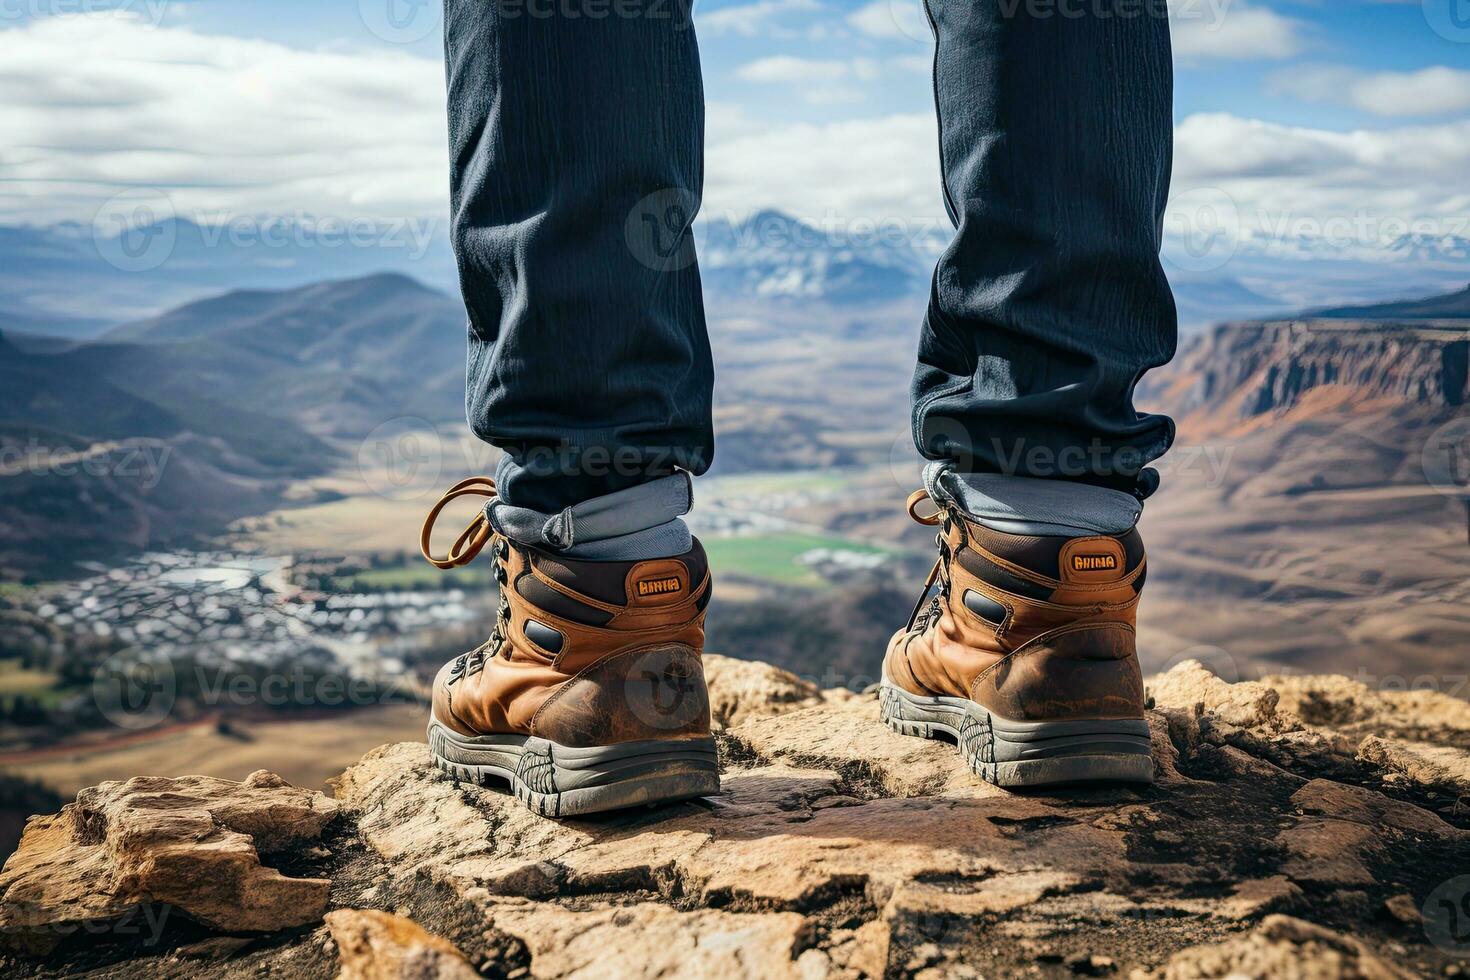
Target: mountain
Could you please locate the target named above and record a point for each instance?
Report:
(1447, 307)
(77, 281)
(167, 429)
(772, 256)
(1308, 518)
(74, 280)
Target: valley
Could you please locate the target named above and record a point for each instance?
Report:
(300, 437)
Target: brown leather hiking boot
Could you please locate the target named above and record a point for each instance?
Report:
(589, 695)
(1025, 657)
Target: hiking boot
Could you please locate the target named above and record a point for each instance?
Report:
(589, 695)
(1025, 656)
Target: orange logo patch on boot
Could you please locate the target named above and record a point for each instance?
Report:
(659, 586)
(1094, 563)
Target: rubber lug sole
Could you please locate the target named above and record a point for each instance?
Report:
(562, 781)
(1020, 754)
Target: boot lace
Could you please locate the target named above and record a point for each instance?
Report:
(925, 614)
(471, 541)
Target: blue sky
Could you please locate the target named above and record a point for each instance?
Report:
(1299, 112)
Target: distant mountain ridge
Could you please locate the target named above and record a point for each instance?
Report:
(1447, 307)
(68, 280)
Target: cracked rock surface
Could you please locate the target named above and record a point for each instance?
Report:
(1298, 828)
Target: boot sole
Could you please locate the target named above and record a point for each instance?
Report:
(1025, 753)
(562, 781)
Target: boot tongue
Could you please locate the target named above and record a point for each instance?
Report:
(658, 582)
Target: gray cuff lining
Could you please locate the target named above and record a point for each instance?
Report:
(636, 520)
(1026, 505)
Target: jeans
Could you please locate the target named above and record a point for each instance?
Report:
(577, 169)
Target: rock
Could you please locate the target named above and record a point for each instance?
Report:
(740, 690)
(1282, 947)
(373, 945)
(1403, 908)
(1246, 705)
(194, 843)
(838, 849)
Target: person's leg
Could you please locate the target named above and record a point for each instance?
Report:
(576, 160)
(1055, 137)
(1055, 142)
(576, 134)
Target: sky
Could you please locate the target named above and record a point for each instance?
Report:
(1337, 118)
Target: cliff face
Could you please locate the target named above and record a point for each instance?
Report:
(1238, 375)
(1299, 827)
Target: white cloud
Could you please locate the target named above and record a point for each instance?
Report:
(784, 69)
(1296, 177)
(878, 169)
(893, 20)
(102, 103)
(752, 19)
(817, 81)
(1232, 29)
(1433, 91)
(251, 127)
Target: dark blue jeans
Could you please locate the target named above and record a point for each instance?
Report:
(577, 169)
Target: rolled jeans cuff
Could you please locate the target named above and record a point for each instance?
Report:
(1028, 505)
(623, 525)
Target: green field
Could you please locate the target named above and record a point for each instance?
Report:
(37, 685)
(413, 578)
(772, 557)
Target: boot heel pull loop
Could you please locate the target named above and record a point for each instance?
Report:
(473, 538)
(915, 499)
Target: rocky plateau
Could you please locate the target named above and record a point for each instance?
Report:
(1299, 827)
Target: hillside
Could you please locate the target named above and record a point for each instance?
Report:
(1447, 307)
(1301, 827)
(1296, 528)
